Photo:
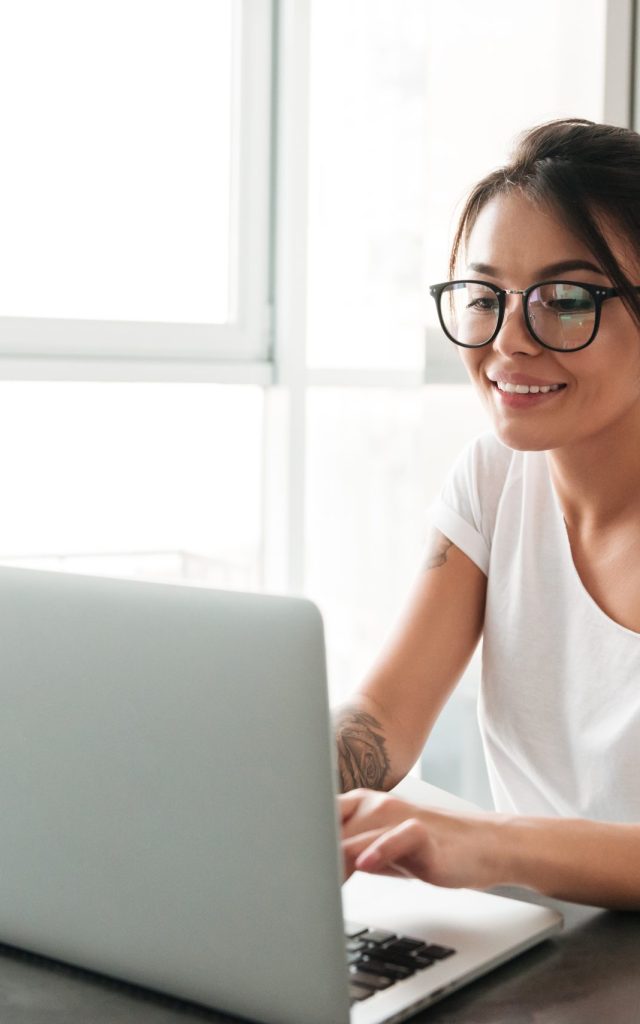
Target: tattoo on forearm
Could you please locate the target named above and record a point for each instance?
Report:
(438, 554)
(362, 755)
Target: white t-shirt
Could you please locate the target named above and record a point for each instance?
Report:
(559, 705)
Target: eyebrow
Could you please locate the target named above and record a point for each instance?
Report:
(563, 267)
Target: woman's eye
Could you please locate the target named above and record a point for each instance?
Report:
(569, 306)
(564, 299)
(483, 305)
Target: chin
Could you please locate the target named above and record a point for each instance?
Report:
(522, 440)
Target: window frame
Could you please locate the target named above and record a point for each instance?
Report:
(43, 348)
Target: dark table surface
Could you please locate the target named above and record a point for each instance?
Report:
(588, 973)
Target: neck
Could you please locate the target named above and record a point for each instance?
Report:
(597, 480)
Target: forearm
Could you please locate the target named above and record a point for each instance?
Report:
(370, 751)
(571, 859)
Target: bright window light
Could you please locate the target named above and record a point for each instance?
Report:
(411, 102)
(116, 127)
(151, 480)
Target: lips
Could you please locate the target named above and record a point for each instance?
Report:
(521, 397)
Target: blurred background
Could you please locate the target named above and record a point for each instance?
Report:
(218, 357)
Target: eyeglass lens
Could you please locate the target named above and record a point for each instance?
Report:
(562, 315)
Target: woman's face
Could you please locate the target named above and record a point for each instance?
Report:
(520, 242)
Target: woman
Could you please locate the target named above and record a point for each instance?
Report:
(535, 546)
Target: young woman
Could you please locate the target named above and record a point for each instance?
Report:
(535, 546)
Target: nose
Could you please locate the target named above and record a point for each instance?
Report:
(513, 337)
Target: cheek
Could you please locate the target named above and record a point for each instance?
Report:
(611, 364)
(610, 388)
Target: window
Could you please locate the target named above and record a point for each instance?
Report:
(135, 206)
(377, 457)
(135, 182)
(133, 479)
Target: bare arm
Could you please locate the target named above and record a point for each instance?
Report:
(582, 861)
(383, 728)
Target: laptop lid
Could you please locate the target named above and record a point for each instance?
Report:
(167, 806)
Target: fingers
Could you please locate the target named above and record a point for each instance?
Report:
(348, 803)
(364, 809)
(403, 850)
(352, 848)
(381, 834)
(384, 835)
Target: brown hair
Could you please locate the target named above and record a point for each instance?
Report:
(589, 173)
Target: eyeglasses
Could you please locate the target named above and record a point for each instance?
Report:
(561, 315)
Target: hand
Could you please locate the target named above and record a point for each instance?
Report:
(384, 835)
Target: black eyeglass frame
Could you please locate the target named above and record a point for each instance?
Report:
(598, 293)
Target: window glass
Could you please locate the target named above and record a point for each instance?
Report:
(152, 480)
(376, 459)
(116, 125)
(411, 102)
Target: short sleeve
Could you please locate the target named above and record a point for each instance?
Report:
(465, 510)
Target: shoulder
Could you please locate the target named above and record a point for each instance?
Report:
(484, 465)
(466, 509)
(486, 492)
(485, 474)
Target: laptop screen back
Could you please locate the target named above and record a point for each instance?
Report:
(167, 797)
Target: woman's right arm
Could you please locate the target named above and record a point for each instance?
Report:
(382, 729)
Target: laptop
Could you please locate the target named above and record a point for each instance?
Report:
(168, 811)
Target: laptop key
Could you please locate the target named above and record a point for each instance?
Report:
(437, 952)
(412, 961)
(393, 971)
(402, 945)
(373, 981)
(423, 961)
(358, 992)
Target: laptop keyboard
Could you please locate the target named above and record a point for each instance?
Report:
(378, 959)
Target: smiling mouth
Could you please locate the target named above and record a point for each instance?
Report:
(526, 389)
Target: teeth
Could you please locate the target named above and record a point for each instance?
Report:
(524, 389)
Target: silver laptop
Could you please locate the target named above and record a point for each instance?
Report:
(168, 813)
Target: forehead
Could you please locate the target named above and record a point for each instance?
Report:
(520, 237)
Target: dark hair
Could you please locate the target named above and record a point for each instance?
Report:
(589, 173)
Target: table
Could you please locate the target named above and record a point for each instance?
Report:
(588, 973)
